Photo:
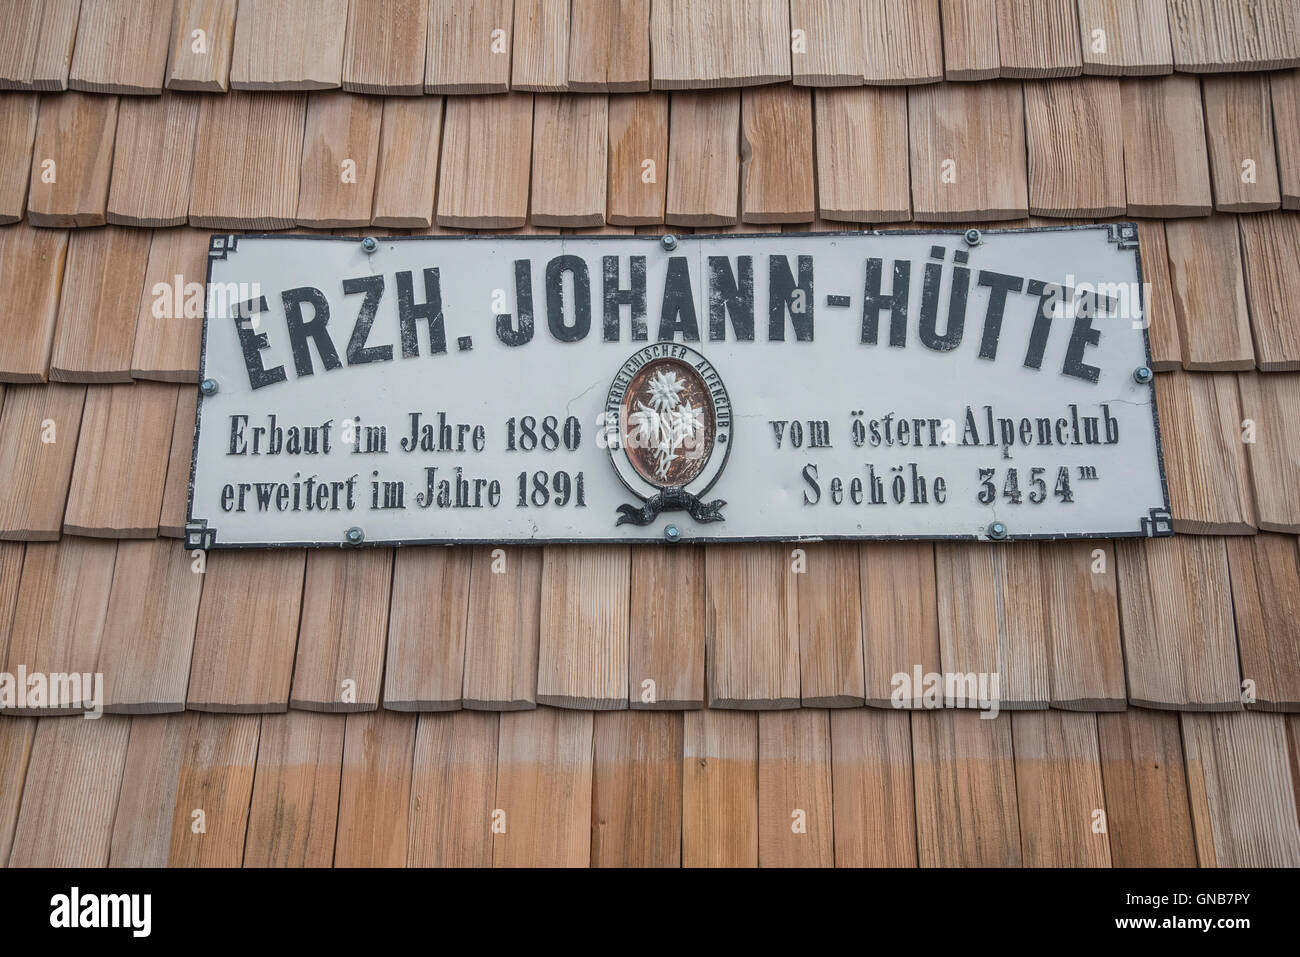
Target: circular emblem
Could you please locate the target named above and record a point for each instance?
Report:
(667, 421)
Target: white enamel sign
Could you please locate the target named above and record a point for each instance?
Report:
(638, 388)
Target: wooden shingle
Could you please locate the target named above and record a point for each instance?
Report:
(1179, 644)
(871, 776)
(636, 790)
(1239, 124)
(1214, 37)
(146, 802)
(71, 160)
(1205, 270)
(340, 150)
(830, 627)
(153, 160)
(900, 625)
(541, 46)
(1158, 297)
(384, 48)
(964, 768)
(1147, 815)
(200, 62)
(720, 789)
(1039, 38)
(121, 465)
(468, 48)
(17, 134)
(295, 802)
(252, 182)
(1241, 790)
(175, 503)
(795, 812)
(289, 45)
(992, 619)
(1082, 617)
(903, 42)
(453, 790)
(1059, 790)
(776, 144)
(36, 52)
(862, 174)
(1284, 89)
(1269, 406)
(407, 176)
(58, 621)
(831, 50)
(1125, 37)
(967, 152)
(216, 779)
(70, 792)
(1270, 249)
(478, 188)
(169, 321)
(703, 159)
(1076, 148)
(15, 749)
(121, 46)
(12, 555)
(570, 138)
(687, 51)
(31, 269)
(36, 473)
(501, 639)
(340, 656)
(99, 305)
(1205, 461)
(1265, 572)
(375, 790)
(638, 159)
(582, 661)
(247, 630)
(1166, 170)
(666, 643)
(752, 627)
(609, 46)
(544, 787)
(145, 653)
(970, 39)
(424, 667)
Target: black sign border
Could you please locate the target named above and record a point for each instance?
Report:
(198, 534)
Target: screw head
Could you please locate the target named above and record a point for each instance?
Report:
(997, 531)
(208, 387)
(972, 237)
(669, 242)
(370, 244)
(1143, 375)
(672, 533)
(355, 536)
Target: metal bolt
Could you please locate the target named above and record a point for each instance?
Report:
(355, 536)
(972, 237)
(669, 242)
(672, 534)
(1143, 375)
(208, 386)
(997, 531)
(370, 244)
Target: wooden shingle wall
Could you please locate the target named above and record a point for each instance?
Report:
(129, 130)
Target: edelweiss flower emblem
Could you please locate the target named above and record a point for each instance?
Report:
(670, 422)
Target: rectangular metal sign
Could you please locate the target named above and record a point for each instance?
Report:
(643, 388)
